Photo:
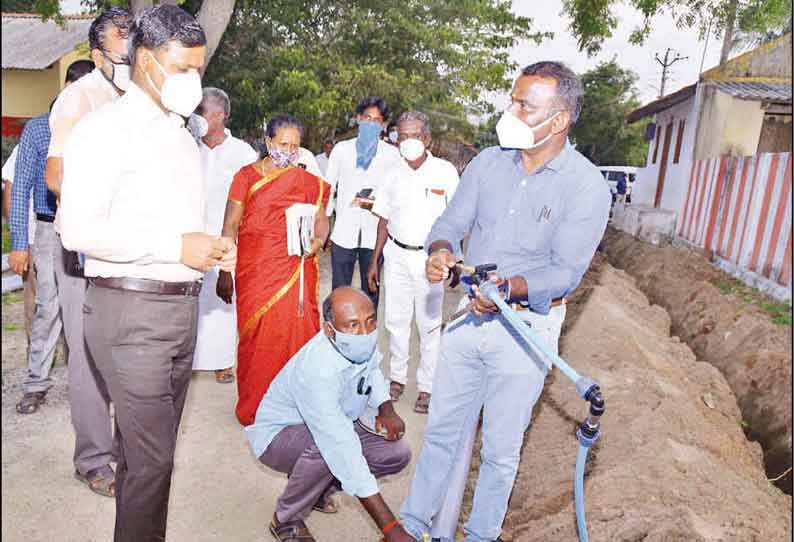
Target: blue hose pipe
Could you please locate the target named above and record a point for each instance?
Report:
(589, 430)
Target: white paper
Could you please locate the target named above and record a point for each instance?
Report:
(300, 228)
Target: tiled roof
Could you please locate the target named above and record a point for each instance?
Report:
(768, 92)
(28, 43)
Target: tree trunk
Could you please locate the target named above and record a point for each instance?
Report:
(214, 17)
(727, 38)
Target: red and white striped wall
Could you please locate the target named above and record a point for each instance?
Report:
(740, 207)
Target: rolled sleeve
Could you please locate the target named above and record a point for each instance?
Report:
(458, 217)
(573, 246)
(317, 397)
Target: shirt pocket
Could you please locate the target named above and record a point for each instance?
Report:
(436, 200)
(535, 227)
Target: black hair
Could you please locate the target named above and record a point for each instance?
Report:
(156, 27)
(77, 69)
(374, 101)
(117, 17)
(328, 309)
(281, 121)
(570, 94)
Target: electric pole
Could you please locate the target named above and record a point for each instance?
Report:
(666, 63)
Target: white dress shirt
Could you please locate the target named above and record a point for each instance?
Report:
(220, 164)
(322, 162)
(75, 101)
(356, 227)
(132, 186)
(306, 158)
(411, 200)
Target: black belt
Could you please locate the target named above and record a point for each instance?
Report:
(403, 245)
(148, 286)
(45, 218)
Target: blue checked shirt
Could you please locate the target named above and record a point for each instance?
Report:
(544, 227)
(29, 175)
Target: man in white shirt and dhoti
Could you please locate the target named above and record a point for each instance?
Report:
(222, 156)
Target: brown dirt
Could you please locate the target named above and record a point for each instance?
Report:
(735, 336)
(673, 463)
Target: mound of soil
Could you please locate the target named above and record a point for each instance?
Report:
(673, 463)
(738, 338)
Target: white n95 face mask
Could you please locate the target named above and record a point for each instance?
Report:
(181, 92)
(513, 133)
(412, 149)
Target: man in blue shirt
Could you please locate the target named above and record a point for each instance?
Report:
(538, 209)
(306, 425)
(46, 326)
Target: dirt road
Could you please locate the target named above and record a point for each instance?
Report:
(220, 491)
(673, 465)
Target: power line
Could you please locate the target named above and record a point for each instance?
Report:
(666, 63)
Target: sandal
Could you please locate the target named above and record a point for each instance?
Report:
(31, 402)
(101, 481)
(422, 403)
(326, 505)
(396, 390)
(224, 376)
(290, 531)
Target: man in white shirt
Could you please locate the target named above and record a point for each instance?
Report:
(88, 397)
(355, 165)
(322, 158)
(222, 156)
(133, 203)
(416, 193)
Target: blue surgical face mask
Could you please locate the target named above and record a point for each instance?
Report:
(357, 349)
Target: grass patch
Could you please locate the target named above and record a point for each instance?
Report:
(11, 327)
(779, 312)
(6, 239)
(11, 298)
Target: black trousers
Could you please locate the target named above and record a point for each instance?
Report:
(343, 261)
(143, 347)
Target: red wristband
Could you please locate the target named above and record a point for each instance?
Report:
(389, 526)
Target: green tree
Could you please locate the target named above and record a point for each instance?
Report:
(601, 132)
(317, 59)
(593, 21)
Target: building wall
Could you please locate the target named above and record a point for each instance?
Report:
(677, 175)
(740, 208)
(28, 93)
(727, 125)
(776, 134)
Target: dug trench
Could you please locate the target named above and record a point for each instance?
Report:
(673, 463)
(726, 327)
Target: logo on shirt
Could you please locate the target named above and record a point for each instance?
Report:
(545, 214)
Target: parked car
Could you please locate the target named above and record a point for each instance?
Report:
(613, 174)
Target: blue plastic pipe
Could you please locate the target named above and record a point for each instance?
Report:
(583, 384)
(578, 492)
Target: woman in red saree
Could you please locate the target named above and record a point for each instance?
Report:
(270, 327)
